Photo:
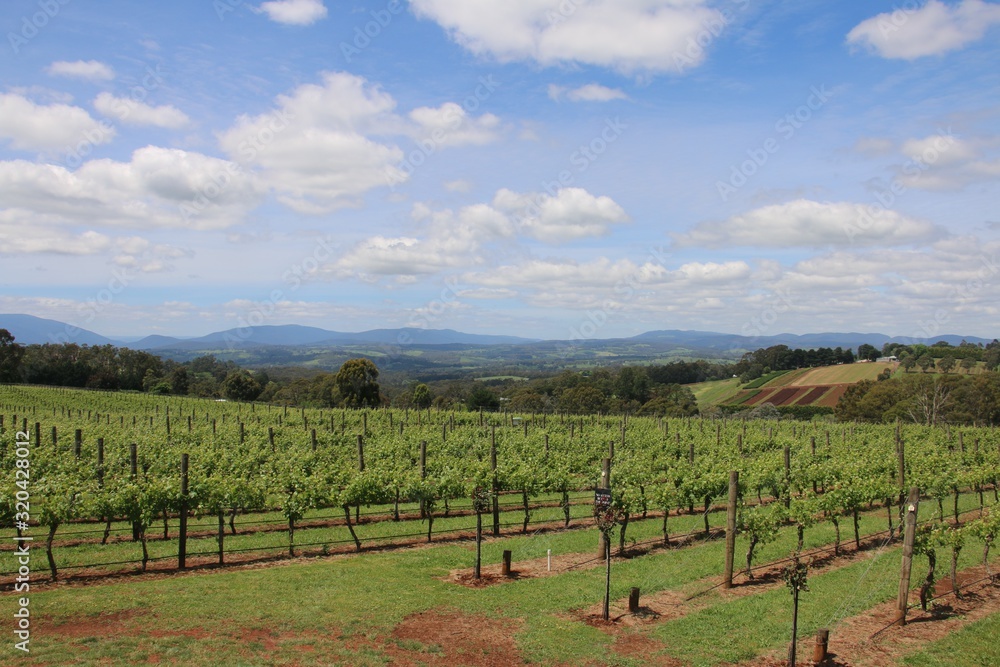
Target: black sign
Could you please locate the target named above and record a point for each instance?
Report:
(602, 498)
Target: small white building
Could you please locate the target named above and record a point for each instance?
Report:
(891, 358)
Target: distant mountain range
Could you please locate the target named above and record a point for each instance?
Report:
(28, 329)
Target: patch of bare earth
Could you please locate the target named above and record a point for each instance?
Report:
(870, 640)
(448, 637)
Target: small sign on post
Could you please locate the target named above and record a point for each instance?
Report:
(602, 500)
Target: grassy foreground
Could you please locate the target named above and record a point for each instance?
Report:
(373, 609)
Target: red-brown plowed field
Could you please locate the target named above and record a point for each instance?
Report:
(787, 395)
(761, 397)
(813, 395)
(830, 400)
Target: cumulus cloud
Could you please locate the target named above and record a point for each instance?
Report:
(450, 125)
(158, 187)
(573, 213)
(312, 148)
(592, 92)
(324, 145)
(478, 234)
(294, 12)
(133, 112)
(628, 36)
(807, 223)
(31, 126)
(453, 239)
(90, 70)
(50, 240)
(932, 29)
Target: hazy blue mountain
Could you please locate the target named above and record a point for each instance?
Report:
(28, 329)
(31, 330)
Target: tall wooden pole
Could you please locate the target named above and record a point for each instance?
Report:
(182, 546)
(604, 547)
(734, 483)
(496, 481)
(909, 535)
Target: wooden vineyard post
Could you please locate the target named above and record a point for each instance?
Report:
(788, 477)
(38, 432)
(423, 474)
(734, 483)
(812, 450)
(909, 535)
(361, 454)
(505, 568)
(633, 600)
(100, 462)
(77, 442)
(604, 546)
(496, 481)
(312, 437)
(182, 537)
(270, 437)
(134, 462)
(821, 647)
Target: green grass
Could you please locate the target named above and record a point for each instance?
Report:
(975, 645)
(343, 610)
(715, 392)
(764, 379)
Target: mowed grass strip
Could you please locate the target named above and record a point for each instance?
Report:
(975, 645)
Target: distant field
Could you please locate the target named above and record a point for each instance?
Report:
(715, 392)
(845, 374)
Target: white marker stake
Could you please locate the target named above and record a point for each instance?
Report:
(550, 559)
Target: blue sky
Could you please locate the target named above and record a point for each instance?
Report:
(547, 168)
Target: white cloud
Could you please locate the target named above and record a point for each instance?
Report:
(592, 92)
(132, 112)
(450, 125)
(16, 240)
(573, 213)
(452, 240)
(322, 146)
(31, 126)
(943, 162)
(294, 12)
(459, 185)
(90, 70)
(159, 187)
(933, 29)
(625, 35)
(478, 234)
(311, 149)
(806, 223)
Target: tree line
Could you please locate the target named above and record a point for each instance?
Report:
(656, 389)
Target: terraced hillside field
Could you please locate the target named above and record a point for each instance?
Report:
(820, 387)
